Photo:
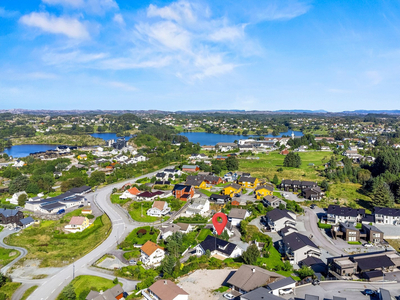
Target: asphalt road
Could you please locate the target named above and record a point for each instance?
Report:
(121, 226)
(22, 251)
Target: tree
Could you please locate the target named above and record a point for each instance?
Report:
(232, 163)
(97, 178)
(18, 184)
(292, 160)
(275, 180)
(363, 176)
(22, 199)
(305, 272)
(382, 195)
(324, 184)
(115, 281)
(251, 254)
(167, 265)
(68, 293)
(32, 188)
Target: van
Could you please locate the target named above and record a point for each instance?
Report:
(61, 211)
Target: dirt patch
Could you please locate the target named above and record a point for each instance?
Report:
(30, 269)
(111, 263)
(201, 284)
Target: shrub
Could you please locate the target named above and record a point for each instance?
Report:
(90, 217)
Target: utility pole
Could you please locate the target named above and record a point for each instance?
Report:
(73, 271)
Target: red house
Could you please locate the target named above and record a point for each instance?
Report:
(183, 192)
(190, 168)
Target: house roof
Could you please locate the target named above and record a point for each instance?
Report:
(311, 260)
(386, 211)
(277, 214)
(134, 191)
(237, 213)
(375, 263)
(149, 247)
(373, 274)
(214, 244)
(166, 290)
(272, 199)
(149, 194)
(281, 283)
(26, 221)
(338, 298)
(159, 205)
(344, 211)
(183, 226)
(248, 179)
(110, 294)
(185, 188)
(189, 166)
(310, 297)
(259, 294)
(265, 187)
(249, 277)
(216, 196)
(233, 185)
(8, 212)
(77, 220)
(297, 241)
(385, 294)
(81, 189)
(194, 182)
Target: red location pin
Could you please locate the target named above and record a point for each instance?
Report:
(219, 227)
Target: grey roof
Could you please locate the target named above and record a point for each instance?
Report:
(297, 241)
(26, 221)
(8, 212)
(272, 199)
(259, 294)
(110, 294)
(311, 297)
(372, 227)
(247, 179)
(386, 211)
(277, 214)
(281, 283)
(311, 260)
(338, 298)
(249, 277)
(234, 185)
(237, 213)
(385, 294)
(344, 211)
(375, 263)
(52, 206)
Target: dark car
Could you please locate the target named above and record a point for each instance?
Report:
(316, 282)
(81, 205)
(369, 292)
(312, 206)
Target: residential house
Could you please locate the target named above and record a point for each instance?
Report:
(220, 199)
(162, 176)
(373, 234)
(284, 152)
(190, 168)
(347, 231)
(298, 247)
(14, 198)
(219, 248)
(140, 157)
(196, 183)
(199, 206)
(248, 182)
(262, 191)
(208, 148)
(315, 263)
(260, 293)
(207, 178)
(313, 193)
(82, 157)
(278, 219)
(173, 173)
(285, 284)
(225, 147)
(158, 209)
(164, 290)
(130, 193)
(18, 163)
(290, 185)
(10, 216)
(172, 228)
(115, 293)
(237, 215)
(200, 156)
(273, 201)
(183, 192)
(248, 278)
(325, 148)
(77, 224)
(26, 222)
(86, 211)
(386, 215)
(149, 196)
(231, 189)
(230, 177)
(151, 254)
(336, 214)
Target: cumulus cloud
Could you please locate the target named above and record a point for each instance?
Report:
(91, 6)
(119, 19)
(57, 25)
(7, 13)
(176, 11)
(229, 33)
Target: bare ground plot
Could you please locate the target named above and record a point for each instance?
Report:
(201, 284)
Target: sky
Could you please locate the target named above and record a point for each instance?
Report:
(200, 55)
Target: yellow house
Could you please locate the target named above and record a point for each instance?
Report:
(248, 182)
(197, 184)
(77, 224)
(263, 191)
(82, 157)
(231, 189)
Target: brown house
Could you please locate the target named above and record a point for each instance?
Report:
(9, 216)
(346, 231)
(183, 192)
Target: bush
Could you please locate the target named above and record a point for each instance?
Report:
(324, 226)
(90, 217)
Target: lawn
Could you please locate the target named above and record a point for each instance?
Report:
(206, 192)
(347, 193)
(28, 292)
(9, 288)
(137, 211)
(273, 261)
(132, 254)
(85, 283)
(57, 252)
(203, 234)
(395, 244)
(268, 164)
(7, 256)
(115, 199)
(134, 238)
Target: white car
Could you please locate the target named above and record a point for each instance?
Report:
(284, 195)
(368, 245)
(286, 291)
(228, 296)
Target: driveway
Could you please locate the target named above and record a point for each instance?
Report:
(290, 196)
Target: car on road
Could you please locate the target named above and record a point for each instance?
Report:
(228, 296)
(316, 282)
(18, 207)
(367, 245)
(369, 292)
(284, 195)
(133, 262)
(61, 211)
(237, 195)
(81, 205)
(312, 206)
(286, 291)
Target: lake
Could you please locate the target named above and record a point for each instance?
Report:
(204, 138)
(25, 150)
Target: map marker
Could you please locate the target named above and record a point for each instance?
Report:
(219, 227)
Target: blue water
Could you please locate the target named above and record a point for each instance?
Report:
(204, 138)
(25, 150)
(108, 136)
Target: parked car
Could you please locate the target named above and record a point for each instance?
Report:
(228, 296)
(61, 211)
(81, 205)
(369, 292)
(18, 207)
(312, 206)
(237, 195)
(316, 282)
(286, 291)
(133, 262)
(367, 245)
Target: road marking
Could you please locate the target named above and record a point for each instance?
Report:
(60, 284)
(53, 291)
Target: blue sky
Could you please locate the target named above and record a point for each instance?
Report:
(183, 55)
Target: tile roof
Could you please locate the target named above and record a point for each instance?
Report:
(77, 220)
(237, 213)
(134, 191)
(166, 290)
(159, 205)
(149, 247)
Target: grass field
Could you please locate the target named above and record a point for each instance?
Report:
(203, 234)
(136, 209)
(9, 288)
(395, 244)
(272, 261)
(206, 192)
(268, 164)
(346, 192)
(133, 237)
(7, 256)
(28, 292)
(84, 284)
(57, 252)
(115, 199)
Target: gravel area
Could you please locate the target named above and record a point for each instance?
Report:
(111, 263)
(201, 284)
(30, 269)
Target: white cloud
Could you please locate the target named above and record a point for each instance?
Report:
(57, 25)
(72, 3)
(123, 86)
(176, 11)
(7, 13)
(92, 6)
(281, 10)
(211, 66)
(119, 19)
(129, 63)
(72, 57)
(228, 33)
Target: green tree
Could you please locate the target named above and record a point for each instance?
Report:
(18, 184)
(275, 180)
(232, 163)
(292, 160)
(363, 176)
(251, 254)
(305, 272)
(22, 199)
(32, 188)
(97, 178)
(115, 281)
(167, 265)
(382, 195)
(68, 293)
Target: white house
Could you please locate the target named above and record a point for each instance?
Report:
(172, 228)
(199, 206)
(139, 157)
(151, 254)
(218, 248)
(237, 215)
(18, 163)
(159, 208)
(297, 247)
(386, 215)
(14, 198)
(278, 219)
(281, 286)
(164, 290)
(130, 193)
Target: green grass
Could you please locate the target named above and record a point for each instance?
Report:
(222, 184)
(347, 192)
(85, 283)
(5, 257)
(268, 164)
(53, 252)
(115, 199)
(203, 234)
(133, 238)
(324, 226)
(354, 243)
(29, 291)
(222, 289)
(9, 288)
(206, 192)
(132, 254)
(136, 210)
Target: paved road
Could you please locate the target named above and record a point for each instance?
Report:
(122, 225)
(311, 224)
(23, 251)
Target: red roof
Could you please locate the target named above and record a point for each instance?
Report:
(134, 191)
